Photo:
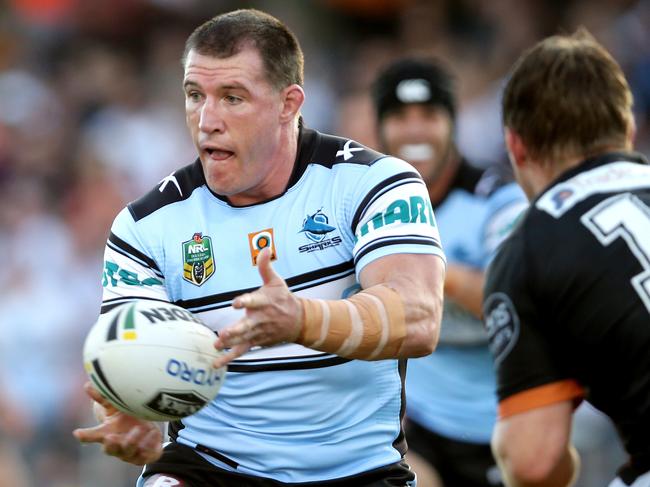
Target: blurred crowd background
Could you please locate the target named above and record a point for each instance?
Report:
(91, 116)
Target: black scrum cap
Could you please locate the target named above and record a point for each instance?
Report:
(413, 80)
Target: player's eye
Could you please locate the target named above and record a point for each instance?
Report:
(232, 99)
(193, 96)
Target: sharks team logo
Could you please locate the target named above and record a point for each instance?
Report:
(198, 259)
(316, 227)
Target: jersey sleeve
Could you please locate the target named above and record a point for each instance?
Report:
(531, 371)
(505, 207)
(393, 214)
(130, 272)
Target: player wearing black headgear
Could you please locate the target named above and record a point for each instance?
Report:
(451, 402)
(423, 91)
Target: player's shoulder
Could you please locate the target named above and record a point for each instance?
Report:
(496, 179)
(330, 150)
(178, 186)
(595, 179)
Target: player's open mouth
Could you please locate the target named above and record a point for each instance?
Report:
(218, 154)
(416, 152)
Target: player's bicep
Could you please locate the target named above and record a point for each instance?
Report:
(393, 216)
(129, 273)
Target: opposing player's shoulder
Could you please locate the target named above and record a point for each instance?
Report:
(178, 186)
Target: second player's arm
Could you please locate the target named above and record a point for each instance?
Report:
(533, 448)
(464, 285)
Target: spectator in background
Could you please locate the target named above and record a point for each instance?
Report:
(567, 300)
(451, 402)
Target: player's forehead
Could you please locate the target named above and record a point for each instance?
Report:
(244, 68)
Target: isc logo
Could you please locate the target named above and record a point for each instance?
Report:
(198, 376)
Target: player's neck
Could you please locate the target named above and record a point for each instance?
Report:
(544, 173)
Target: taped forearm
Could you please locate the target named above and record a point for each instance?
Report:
(370, 325)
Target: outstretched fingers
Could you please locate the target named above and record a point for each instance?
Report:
(139, 446)
(96, 434)
(97, 397)
(232, 354)
(264, 267)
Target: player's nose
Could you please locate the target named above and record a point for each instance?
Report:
(211, 118)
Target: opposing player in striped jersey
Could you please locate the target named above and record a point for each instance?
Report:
(567, 297)
(317, 261)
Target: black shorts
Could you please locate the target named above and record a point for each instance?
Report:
(457, 463)
(185, 463)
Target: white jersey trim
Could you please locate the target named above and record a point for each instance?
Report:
(614, 177)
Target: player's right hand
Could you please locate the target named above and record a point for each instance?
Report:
(130, 439)
(273, 315)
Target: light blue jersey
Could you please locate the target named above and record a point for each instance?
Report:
(452, 392)
(286, 412)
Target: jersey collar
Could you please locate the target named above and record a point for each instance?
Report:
(595, 161)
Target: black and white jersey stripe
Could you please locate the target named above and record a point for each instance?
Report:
(118, 245)
(382, 188)
(396, 240)
(295, 283)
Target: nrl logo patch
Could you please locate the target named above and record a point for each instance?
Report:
(198, 259)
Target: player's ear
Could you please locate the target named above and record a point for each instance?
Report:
(293, 97)
(631, 132)
(517, 151)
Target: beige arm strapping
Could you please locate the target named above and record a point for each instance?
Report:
(369, 325)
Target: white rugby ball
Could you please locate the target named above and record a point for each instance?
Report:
(153, 360)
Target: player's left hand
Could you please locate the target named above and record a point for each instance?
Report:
(130, 439)
(273, 315)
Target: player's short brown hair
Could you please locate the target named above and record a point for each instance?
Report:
(568, 97)
(227, 34)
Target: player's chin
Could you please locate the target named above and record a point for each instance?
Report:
(220, 184)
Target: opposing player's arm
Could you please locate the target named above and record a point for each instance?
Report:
(537, 393)
(533, 447)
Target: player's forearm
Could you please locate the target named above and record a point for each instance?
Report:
(423, 304)
(464, 286)
(564, 473)
(399, 319)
